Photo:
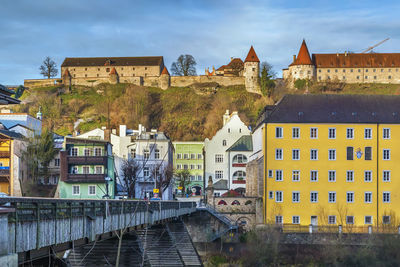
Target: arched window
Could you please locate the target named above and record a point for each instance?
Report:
(222, 202)
(224, 142)
(239, 175)
(248, 202)
(239, 159)
(235, 202)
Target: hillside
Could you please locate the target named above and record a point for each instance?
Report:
(180, 112)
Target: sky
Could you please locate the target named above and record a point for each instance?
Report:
(211, 31)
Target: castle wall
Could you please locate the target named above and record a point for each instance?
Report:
(95, 81)
(183, 81)
(359, 75)
(35, 83)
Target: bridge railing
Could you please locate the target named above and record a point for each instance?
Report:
(336, 229)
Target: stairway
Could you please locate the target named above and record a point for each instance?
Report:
(184, 245)
(104, 253)
(159, 247)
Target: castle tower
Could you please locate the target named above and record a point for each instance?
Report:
(302, 67)
(252, 72)
(66, 78)
(165, 79)
(114, 79)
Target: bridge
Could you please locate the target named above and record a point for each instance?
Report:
(39, 227)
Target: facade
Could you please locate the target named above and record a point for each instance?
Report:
(344, 67)
(150, 149)
(332, 160)
(87, 169)
(23, 120)
(189, 156)
(219, 159)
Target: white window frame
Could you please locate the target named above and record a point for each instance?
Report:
(389, 176)
(96, 150)
(331, 130)
(311, 154)
(329, 219)
(316, 132)
(329, 197)
(370, 176)
(383, 154)
(311, 176)
(101, 172)
(278, 219)
(179, 166)
(348, 193)
(79, 190)
(278, 152)
(91, 186)
(179, 156)
(329, 176)
(146, 170)
(279, 175)
(296, 152)
(294, 129)
(219, 158)
(85, 167)
(279, 132)
(352, 176)
(329, 154)
(295, 219)
(368, 136)
(72, 152)
(365, 197)
(219, 174)
(384, 135)
(365, 219)
(298, 195)
(352, 133)
(311, 198)
(280, 199)
(383, 197)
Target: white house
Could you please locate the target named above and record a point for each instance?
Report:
(226, 155)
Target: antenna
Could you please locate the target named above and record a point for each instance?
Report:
(372, 47)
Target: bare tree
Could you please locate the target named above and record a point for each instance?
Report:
(48, 68)
(163, 177)
(183, 179)
(184, 66)
(130, 169)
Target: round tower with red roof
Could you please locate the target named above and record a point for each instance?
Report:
(165, 79)
(302, 66)
(252, 71)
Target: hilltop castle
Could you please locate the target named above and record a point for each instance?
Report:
(344, 67)
(151, 71)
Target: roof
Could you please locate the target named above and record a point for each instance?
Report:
(113, 71)
(303, 58)
(230, 193)
(252, 56)
(165, 71)
(221, 185)
(112, 61)
(350, 60)
(337, 109)
(244, 143)
(73, 140)
(5, 96)
(11, 134)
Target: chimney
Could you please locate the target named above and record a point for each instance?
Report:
(122, 130)
(294, 58)
(345, 53)
(107, 135)
(103, 128)
(337, 54)
(226, 116)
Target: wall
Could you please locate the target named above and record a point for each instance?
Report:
(65, 190)
(184, 81)
(359, 75)
(34, 83)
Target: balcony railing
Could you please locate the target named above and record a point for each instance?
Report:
(239, 181)
(239, 164)
(86, 178)
(4, 171)
(83, 160)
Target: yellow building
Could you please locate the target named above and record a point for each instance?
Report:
(333, 160)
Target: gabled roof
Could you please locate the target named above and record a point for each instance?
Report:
(11, 134)
(113, 71)
(303, 58)
(337, 109)
(244, 143)
(165, 71)
(112, 61)
(350, 60)
(221, 185)
(252, 56)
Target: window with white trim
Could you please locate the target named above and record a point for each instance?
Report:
(313, 133)
(295, 154)
(332, 154)
(386, 154)
(295, 175)
(99, 170)
(349, 176)
(199, 166)
(295, 133)
(368, 197)
(332, 176)
(296, 197)
(88, 152)
(185, 156)
(76, 190)
(179, 156)
(331, 219)
(278, 219)
(314, 154)
(279, 154)
(146, 172)
(386, 176)
(91, 190)
(349, 133)
(98, 152)
(185, 167)
(332, 197)
(314, 176)
(368, 219)
(156, 153)
(279, 132)
(146, 153)
(332, 133)
(74, 151)
(313, 197)
(367, 176)
(219, 158)
(367, 133)
(296, 219)
(85, 170)
(219, 174)
(386, 133)
(178, 166)
(386, 197)
(349, 197)
(279, 175)
(349, 219)
(278, 196)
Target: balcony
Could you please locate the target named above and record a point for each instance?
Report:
(4, 154)
(85, 178)
(239, 164)
(4, 171)
(87, 160)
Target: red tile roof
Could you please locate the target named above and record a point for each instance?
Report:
(303, 58)
(165, 71)
(350, 60)
(252, 56)
(112, 61)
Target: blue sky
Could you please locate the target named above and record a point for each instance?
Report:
(211, 31)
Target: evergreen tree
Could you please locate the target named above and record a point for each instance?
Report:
(267, 83)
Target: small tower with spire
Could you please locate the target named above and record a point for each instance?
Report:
(165, 79)
(302, 66)
(252, 72)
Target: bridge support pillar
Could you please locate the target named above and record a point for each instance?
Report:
(6, 259)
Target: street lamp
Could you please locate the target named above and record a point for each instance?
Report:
(107, 181)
